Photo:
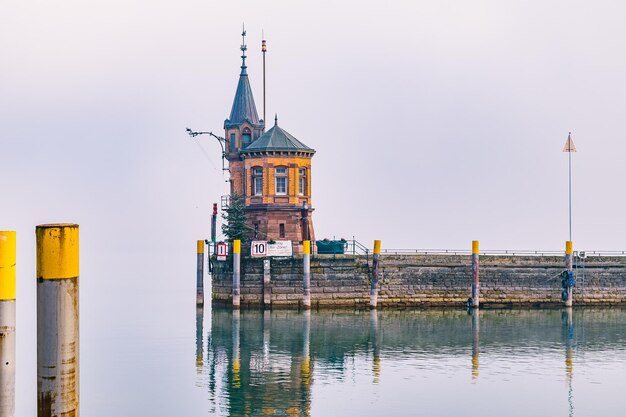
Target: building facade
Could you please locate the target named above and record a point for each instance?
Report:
(270, 170)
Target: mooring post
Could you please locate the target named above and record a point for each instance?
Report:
(267, 291)
(200, 274)
(7, 323)
(306, 267)
(569, 268)
(374, 285)
(236, 273)
(57, 320)
(475, 275)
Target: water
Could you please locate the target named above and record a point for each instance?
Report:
(429, 362)
(147, 351)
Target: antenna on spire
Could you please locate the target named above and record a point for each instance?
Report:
(243, 50)
(263, 49)
(276, 119)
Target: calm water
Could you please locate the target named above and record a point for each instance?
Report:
(430, 363)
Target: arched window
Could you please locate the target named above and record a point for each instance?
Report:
(257, 181)
(302, 181)
(281, 180)
(246, 137)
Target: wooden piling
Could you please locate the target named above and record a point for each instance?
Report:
(236, 273)
(475, 300)
(57, 320)
(200, 273)
(374, 284)
(7, 323)
(306, 266)
(569, 268)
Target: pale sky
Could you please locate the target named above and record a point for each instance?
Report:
(435, 122)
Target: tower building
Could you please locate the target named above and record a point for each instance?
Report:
(270, 170)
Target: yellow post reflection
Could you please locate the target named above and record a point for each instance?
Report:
(236, 360)
(475, 343)
(375, 340)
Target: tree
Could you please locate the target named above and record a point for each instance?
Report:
(234, 226)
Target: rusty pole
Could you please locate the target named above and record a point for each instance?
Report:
(57, 320)
(7, 323)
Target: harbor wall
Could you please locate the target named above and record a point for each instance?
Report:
(424, 280)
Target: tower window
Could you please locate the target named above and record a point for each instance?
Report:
(257, 181)
(233, 142)
(281, 230)
(302, 181)
(281, 181)
(245, 138)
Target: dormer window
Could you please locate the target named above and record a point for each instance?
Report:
(281, 180)
(246, 137)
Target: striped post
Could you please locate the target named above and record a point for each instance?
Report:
(236, 273)
(200, 273)
(374, 284)
(475, 275)
(306, 266)
(7, 323)
(57, 320)
(569, 267)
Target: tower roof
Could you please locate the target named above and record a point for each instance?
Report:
(277, 139)
(243, 108)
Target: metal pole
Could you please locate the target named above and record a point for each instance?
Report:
(57, 320)
(263, 49)
(7, 323)
(200, 274)
(236, 273)
(569, 267)
(214, 225)
(475, 275)
(306, 266)
(374, 284)
(570, 195)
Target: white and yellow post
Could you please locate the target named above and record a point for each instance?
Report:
(569, 257)
(306, 266)
(374, 284)
(57, 320)
(475, 275)
(236, 273)
(7, 323)
(200, 273)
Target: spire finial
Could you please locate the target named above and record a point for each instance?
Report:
(276, 119)
(243, 48)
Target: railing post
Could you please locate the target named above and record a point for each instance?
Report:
(200, 273)
(57, 320)
(306, 267)
(475, 300)
(7, 323)
(236, 273)
(374, 284)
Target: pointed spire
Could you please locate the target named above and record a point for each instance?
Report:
(276, 119)
(243, 48)
(569, 144)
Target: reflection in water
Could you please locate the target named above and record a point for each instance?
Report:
(199, 337)
(264, 363)
(475, 342)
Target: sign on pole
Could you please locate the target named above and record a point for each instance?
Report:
(258, 249)
(221, 251)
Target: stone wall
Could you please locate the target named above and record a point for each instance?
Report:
(425, 280)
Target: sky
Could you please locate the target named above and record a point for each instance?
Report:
(435, 122)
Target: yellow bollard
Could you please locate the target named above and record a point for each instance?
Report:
(374, 284)
(7, 323)
(569, 252)
(57, 320)
(306, 266)
(475, 300)
(200, 273)
(236, 273)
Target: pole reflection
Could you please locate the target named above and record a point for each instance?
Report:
(375, 342)
(199, 338)
(567, 319)
(475, 343)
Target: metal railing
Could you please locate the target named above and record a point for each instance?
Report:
(500, 252)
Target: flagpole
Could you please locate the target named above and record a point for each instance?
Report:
(570, 196)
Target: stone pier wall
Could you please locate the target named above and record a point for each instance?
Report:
(425, 280)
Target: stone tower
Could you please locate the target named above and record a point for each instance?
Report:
(270, 170)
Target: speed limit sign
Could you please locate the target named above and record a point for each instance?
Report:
(259, 248)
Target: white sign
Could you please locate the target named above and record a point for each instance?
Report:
(261, 248)
(221, 251)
